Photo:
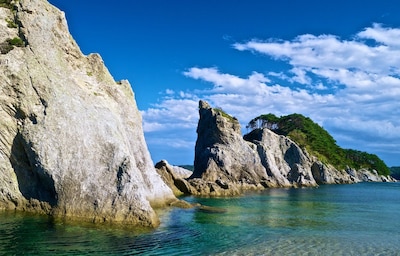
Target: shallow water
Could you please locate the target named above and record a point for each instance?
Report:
(359, 219)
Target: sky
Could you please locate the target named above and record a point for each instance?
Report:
(337, 62)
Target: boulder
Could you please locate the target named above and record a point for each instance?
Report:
(174, 177)
(71, 138)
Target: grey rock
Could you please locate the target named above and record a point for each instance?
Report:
(227, 163)
(71, 138)
(182, 172)
(284, 161)
(222, 154)
(174, 177)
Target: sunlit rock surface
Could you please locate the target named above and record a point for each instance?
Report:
(228, 164)
(71, 138)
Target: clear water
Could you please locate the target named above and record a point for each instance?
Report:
(359, 219)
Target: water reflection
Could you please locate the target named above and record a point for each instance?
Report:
(27, 234)
(274, 208)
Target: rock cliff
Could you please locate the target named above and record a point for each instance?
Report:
(71, 139)
(227, 163)
(234, 164)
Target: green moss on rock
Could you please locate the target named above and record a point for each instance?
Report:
(224, 114)
(8, 45)
(9, 4)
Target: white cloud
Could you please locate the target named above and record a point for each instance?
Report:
(321, 86)
(171, 113)
(329, 52)
(300, 76)
(386, 36)
(227, 83)
(348, 86)
(169, 92)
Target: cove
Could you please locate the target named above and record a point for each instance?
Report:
(357, 219)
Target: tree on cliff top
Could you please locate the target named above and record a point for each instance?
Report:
(318, 142)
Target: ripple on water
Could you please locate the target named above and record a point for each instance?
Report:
(330, 220)
(295, 245)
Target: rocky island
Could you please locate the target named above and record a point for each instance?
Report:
(227, 163)
(71, 138)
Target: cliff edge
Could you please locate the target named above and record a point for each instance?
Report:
(71, 138)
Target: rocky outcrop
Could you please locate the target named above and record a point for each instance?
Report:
(285, 163)
(71, 139)
(227, 163)
(174, 177)
(327, 174)
(222, 156)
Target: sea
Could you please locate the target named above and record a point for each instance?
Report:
(356, 219)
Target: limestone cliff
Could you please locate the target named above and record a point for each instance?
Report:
(226, 163)
(71, 139)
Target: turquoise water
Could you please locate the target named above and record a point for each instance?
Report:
(359, 219)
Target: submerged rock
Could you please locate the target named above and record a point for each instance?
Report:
(71, 138)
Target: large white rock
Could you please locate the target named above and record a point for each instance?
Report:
(227, 163)
(71, 138)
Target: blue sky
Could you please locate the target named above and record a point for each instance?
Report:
(337, 62)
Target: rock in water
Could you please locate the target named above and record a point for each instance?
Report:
(173, 176)
(221, 154)
(284, 161)
(71, 138)
(225, 163)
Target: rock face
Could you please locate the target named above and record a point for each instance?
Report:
(71, 139)
(221, 154)
(265, 159)
(226, 163)
(173, 176)
(285, 163)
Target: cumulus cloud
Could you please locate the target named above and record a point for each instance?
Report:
(227, 83)
(386, 36)
(351, 87)
(170, 114)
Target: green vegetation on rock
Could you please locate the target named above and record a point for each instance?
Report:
(8, 45)
(318, 142)
(16, 41)
(7, 4)
(11, 23)
(224, 114)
